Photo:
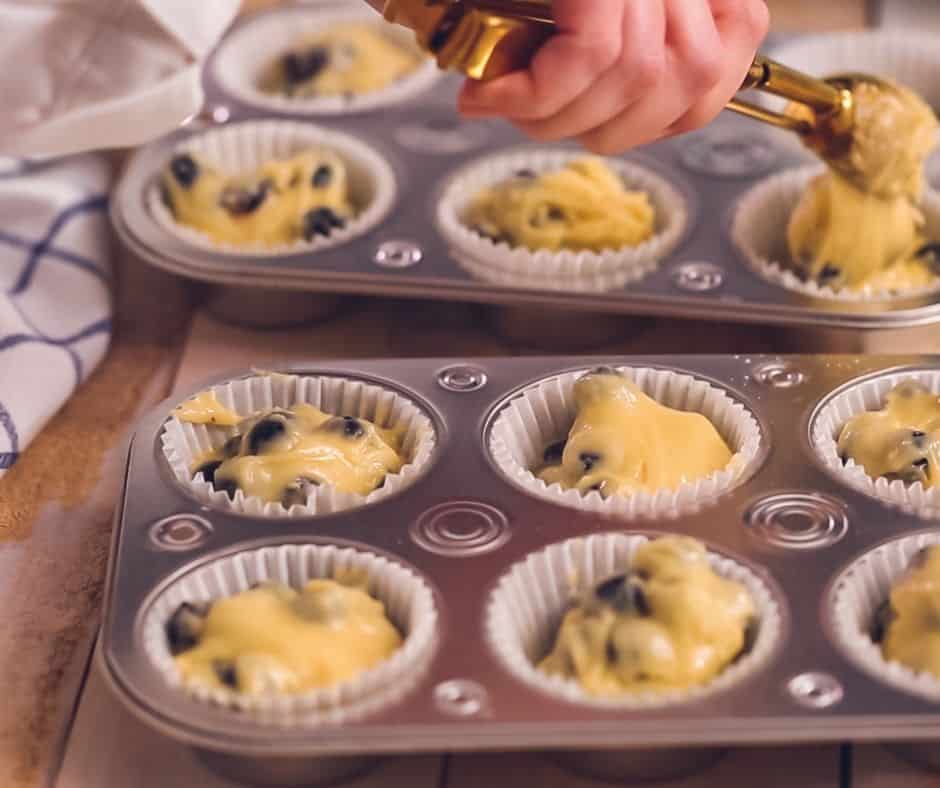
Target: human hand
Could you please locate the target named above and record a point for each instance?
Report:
(621, 73)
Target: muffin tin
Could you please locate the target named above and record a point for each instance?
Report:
(464, 528)
(423, 140)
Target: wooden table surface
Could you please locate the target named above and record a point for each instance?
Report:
(56, 504)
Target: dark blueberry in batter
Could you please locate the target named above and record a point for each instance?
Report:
(555, 213)
(923, 463)
(185, 626)
(320, 221)
(301, 66)
(829, 272)
(930, 254)
(611, 653)
(526, 174)
(589, 459)
(908, 476)
(352, 427)
(208, 469)
(844, 458)
(553, 453)
(919, 439)
(184, 169)
(263, 433)
(625, 593)
(225, 672)
(322, 176)
(239, 201)
(232, 446)
(884, 615)
(600, 487)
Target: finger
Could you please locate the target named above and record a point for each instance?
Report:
(693, 35)
(637, 72)
(586, 44)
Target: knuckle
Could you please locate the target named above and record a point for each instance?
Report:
(695, 118)
(643, 71)
(600, 142)
(757, 19)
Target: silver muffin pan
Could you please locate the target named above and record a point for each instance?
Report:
(462, 525)
(425, 141)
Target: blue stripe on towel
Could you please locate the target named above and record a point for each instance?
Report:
(7, 458)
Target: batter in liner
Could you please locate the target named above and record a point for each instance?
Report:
(623, 441)
(900, 441)
(280, 455)
(871, 239)
(583, 206)
(908, 625)
(669, 623)
(346, 59)
(303, 197)
(273, 639)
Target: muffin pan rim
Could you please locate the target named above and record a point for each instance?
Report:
(779, 719)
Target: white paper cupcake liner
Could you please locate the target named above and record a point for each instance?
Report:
(865, 395)
(248, 52)
(526, 609)
(909, 57)
(184, 443)
(409, 604)
(759, 231)
(854, 599)
(672, 219)
(243, 147)
(543, 413)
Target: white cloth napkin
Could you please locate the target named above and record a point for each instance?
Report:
(55, 276)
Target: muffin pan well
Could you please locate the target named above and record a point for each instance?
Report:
(701, 273)
(461, 532)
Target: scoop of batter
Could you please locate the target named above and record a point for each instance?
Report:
(868, 239)
(908, 626)
(583, 206)
(280, 455)
(274, 639)
(623, 441)
(670, 622)
(346, 59)
(283, 201)
(900, 441)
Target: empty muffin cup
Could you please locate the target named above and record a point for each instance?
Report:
(409, 605)
(245, 56)
(869, 394)
(243, 147)
(853, 604)
(184, 444)
(582, 270)
(526, 609)
(543, 413)
(759, 231)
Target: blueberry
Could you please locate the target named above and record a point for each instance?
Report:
(263, 433)
(320, 221)
(589, 459)
(526, 174)
(232, 446)
(599, 487)
(555, 213)
(884, 615)
(208, 469)
(554, 452)
(322, 176)
(349, 426)
(185, 626)
(611, 653)
(184, 169)
(930, 254)
(225, 672)
(844, 458)
(239, 201)
(625, 593)
(301, 66)
(923, 463)
(829, 272)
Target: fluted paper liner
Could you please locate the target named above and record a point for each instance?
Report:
(246, 54)
(243, 147)
(869, 394)
(672, 219)
(409, 604)
(183, 443)
(543, 413)
(759, 231)
(854, 600)
(525, 611)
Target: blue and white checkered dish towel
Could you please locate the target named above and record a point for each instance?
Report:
(55, 294)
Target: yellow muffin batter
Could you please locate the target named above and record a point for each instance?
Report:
(583, 206)
(908, 627)
(900, 441)
(669, 623)
(205, 408)
(622, 441)
(281, 454)
(283, 201)
(346, 59)
(274, 639)
(871, 239)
